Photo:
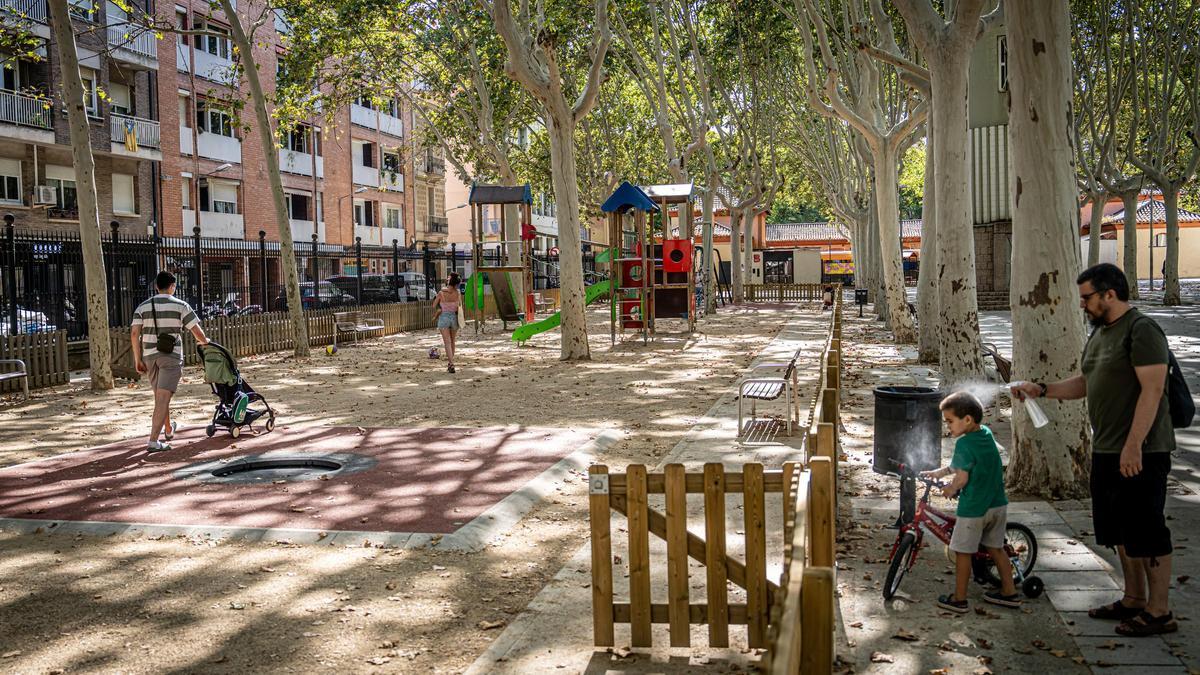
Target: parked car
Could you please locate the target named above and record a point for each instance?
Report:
(375, 287)
(315, 296)
(28, 321)
(416, 287)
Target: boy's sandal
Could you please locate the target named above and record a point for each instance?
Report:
(1145, 624)
(1114, 611)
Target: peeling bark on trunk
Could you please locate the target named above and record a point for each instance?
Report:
(748, 247)
(899, 321)
(95, 283)
(1048, 333)
(566, 195)
(1098, 201)
(735, 255)
(287, 251)
(1129, 200)
(710, 277)
(927, 288)
(1171, 273)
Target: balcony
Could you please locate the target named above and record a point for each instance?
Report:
(212, 146)
(301, 163)
(212, 224)
(435, 166)
(302, 232)
(208, 66)
(379, 236)
(391, 180)
(25, 111)
(366, 175)
(373, 119)
(28, 15)
(439, 224)
(134, 44)
(145, 134)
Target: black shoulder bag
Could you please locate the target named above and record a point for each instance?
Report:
(166, 341)
(1179, 400)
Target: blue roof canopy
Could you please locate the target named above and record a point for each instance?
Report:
(628, 196)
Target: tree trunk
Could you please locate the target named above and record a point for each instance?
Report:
(735, 254)
(1171, 271)
(887, 198)
(1099, 199)
(927, 287)
(99, 346)
(958, 307)
(879, 290)
(748, 247)
(560, 124)
(287, 251)
(1130, 199)
(1047, 334)
(710, 278)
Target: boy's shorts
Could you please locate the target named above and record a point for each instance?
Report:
(986, 530)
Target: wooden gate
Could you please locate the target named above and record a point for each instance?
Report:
(627, 494)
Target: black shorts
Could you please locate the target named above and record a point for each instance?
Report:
(1129, 511)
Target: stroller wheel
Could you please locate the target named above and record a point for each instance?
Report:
(235, 431)
(270, 425)
(210, 430)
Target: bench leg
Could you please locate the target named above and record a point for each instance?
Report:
(739, 430)
(25, 387)
(787, 399)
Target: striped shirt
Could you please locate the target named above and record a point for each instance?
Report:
(174, 317)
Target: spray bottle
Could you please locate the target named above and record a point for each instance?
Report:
(1036, 414)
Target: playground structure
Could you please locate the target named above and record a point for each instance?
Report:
(653, 278)
(511, 262)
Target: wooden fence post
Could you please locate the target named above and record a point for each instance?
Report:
(602, 591)
(639, 555)
(816, 630)
(820, 512)
(714, 559)
(754, 508)
(677, 556)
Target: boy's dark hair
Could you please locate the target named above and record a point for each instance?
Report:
(164, 280)
(963, 404)
(1106, 277)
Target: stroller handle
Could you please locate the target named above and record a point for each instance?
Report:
(216, 345)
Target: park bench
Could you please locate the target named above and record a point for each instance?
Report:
(769, 388)
(541, 303)
(354, 322)
(1003, 365)
(21, 373)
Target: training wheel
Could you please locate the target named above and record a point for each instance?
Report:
(235, 431)
(210, 430)
(1032, 587)
(270, 425)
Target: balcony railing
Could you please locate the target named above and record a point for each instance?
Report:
(365, 175)
(144, 131)
(435, 166)
(439, 224)
(24, 110)
(26, 9)
(134, 39)
(374, 119)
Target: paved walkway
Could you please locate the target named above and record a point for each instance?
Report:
(554, 633)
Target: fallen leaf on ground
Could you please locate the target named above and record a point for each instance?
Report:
(1039, 644)
(905, 635)
(488, 625)
(856, 624)
(1183, 579)
(1058, 652)
(983, 643)
(880, 657)
(1111, 645)
(9, 655)
(236, 605)
(378, 660)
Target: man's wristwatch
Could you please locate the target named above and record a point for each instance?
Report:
(1043, 392)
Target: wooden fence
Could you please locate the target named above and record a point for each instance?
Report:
(271, 331)
(45, 357)
(801, 639)
(785, 292)
(627, 494)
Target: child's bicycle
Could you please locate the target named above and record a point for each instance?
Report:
(1019, 542)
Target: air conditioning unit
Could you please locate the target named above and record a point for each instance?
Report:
(45, 194)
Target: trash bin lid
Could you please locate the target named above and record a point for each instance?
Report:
(907, 393)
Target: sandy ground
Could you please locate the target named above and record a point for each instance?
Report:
(143, 605)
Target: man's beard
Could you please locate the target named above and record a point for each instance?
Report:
(1097, 320)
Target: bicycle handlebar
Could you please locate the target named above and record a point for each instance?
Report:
(907, 472)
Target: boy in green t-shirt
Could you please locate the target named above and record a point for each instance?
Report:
(982, 513)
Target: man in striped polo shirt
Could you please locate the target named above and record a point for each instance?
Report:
(162, 315)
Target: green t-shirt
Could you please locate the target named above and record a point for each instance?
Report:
(1112, 384)
(976, 454)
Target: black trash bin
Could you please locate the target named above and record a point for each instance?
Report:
(908, 428)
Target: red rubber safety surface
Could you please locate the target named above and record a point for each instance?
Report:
(424, 480)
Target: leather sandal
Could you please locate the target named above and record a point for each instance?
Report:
(1115, 611)
(1145, 624)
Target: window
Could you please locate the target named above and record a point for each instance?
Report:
(217, 46)
(1002, 62)
(185, 185)
(120, 99)
(185, 111)
(1160, 240)
(67, 197)
(393, 217)
(391, 161)
(10, 181)
(365, 101)
(122, 194)
(297, 139)
(320, 206)
(368, 154)
(393, 108)
(91, 98)
(12, 75)
(82, 9)
(214, 120)
(298, 206)
(224, 197)
(364, 213)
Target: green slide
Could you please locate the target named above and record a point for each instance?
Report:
(554, 320)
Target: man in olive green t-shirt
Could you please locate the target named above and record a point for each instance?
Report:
(1124, 379)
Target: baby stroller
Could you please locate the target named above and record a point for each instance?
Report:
(235, 396)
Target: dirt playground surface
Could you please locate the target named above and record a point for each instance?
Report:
(87, 604)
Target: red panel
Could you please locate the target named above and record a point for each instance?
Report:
(631, 275)
(677, 255)
(631, 313)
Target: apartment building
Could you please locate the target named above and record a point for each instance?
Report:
(37, 175)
